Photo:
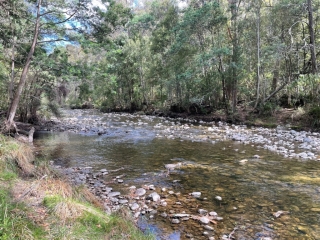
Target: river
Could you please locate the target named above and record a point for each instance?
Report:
(256, 193)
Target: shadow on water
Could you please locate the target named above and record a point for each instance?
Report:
(251, 192)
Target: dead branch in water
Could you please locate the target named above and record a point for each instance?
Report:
(233, 231)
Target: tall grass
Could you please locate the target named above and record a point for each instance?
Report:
(15, 156)
(78, 220)
(14, 223)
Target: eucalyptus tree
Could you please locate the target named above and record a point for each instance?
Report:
(289, 47)
(47, 17)
(195, 52)
(15, 22)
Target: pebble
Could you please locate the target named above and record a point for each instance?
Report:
(204, 220)
(163, 215)
(196, 194)
(123, 201)
(134, 206)
(175, 221)
(214, 214)
(113, 194)
(140, 192)
(154, 196)
(218, 198)
(209, 228)
(202, 211)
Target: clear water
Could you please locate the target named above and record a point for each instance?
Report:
(250, 192)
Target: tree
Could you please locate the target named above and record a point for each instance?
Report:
(14, 104)
(312, 39)
(51, 16)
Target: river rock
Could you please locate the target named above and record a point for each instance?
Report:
(114, 200)
(175, 221)
(204, 220)
(151, 187)
(213, 214)
(209, 228)
(114, 194)
(202, 211)
(107, 189)
(196, 194)
(140, 192)
(218, 198)
(164, 204)
(134, 206)
(315, 210)
(154, 196)
(123, 201)
(163, 215)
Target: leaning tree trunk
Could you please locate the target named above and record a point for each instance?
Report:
(15, 101)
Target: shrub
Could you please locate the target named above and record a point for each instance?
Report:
(314, 114)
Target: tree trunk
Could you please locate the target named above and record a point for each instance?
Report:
(312, 41)
(275, 77)
(258, 58)
(15, 101)
(234, 4)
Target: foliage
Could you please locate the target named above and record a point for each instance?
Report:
(314, 114)
(267, 109)
(159, 54)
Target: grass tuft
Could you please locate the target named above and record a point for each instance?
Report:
(14, 154)
(14, 223)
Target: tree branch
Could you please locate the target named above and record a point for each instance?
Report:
(53, 40)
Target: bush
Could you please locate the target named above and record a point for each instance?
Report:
(314, 114)
(267, 109)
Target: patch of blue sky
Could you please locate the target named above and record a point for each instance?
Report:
(71, 25)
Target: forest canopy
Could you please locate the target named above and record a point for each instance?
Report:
(189, 56)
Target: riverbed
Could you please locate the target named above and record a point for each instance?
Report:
(254, 183)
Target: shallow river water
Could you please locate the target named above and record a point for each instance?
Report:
(252, 191)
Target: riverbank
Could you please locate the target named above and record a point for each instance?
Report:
(37, 202)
